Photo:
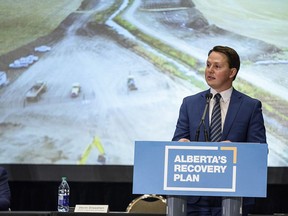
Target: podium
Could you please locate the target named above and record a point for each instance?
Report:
(181, 169)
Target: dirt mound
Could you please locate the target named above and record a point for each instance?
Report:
(88, 4)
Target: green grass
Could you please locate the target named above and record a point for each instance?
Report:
(22, 21)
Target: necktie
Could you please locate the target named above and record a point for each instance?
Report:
(216, 121)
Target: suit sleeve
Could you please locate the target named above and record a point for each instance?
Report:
(182, 127)
(256, 130)
(4, 191)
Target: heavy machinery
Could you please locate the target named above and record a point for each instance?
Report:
(35, 92)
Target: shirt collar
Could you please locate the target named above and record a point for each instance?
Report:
(224, 94)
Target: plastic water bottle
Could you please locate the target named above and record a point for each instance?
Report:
(63, 196)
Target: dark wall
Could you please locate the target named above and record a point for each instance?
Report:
(42, 196)
(99, 173)
(34, 187)
(275, 202)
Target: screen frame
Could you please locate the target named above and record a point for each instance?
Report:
(99, 173)
(74, 173)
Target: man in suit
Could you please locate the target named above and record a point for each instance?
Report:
(241, 119)
(5, 195)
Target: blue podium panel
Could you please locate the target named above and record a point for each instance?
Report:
(204, 169)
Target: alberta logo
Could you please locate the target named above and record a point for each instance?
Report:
(200, 168)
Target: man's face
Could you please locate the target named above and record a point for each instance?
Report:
(218, 75)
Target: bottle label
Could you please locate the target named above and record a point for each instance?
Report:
(63, 200)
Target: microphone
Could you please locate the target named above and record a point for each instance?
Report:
(208, 97)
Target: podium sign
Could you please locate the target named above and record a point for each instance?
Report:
(202, 169)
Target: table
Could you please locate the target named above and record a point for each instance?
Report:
(55, 213)
(103, 214)
(25, 213)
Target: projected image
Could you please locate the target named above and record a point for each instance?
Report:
(81, 81)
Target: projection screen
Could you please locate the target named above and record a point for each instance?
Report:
(81, 81)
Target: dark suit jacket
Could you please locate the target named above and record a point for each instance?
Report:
(5, 195)
(244, 121)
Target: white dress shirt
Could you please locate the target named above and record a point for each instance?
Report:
(224, 103)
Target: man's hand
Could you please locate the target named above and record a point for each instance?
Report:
(183, 140)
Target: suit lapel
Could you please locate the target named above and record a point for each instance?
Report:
(235, 102)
